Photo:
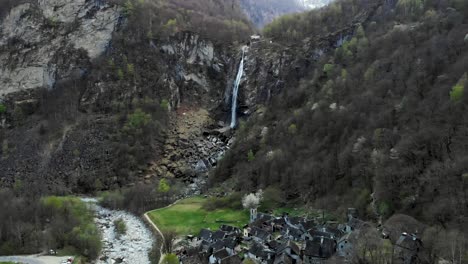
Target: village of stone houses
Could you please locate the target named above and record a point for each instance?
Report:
(284, 239)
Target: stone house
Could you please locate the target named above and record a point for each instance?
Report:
(345, 246)
(318, 249)
(407, 249)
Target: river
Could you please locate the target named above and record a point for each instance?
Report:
(132, 247)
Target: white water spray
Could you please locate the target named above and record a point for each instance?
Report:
(235, 91)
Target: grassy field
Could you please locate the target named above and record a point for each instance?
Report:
(188, 217)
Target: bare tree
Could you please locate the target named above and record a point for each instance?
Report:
(168, 240)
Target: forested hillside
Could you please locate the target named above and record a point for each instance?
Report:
(379, 122)
(221, 20)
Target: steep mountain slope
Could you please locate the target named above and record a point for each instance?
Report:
(262, 12)
(83, 108)
(377, 121)
(312, 4)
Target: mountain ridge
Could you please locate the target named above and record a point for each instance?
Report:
(263, 12)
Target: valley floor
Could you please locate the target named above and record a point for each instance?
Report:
(188, 217)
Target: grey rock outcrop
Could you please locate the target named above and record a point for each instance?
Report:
(43, 42)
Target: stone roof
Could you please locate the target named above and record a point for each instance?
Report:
(279, 221)
(345, 237)
(309, 224)
(355, 223)
(409, 241)
(218, 245)
(326, 232)
(229, 242)
(312, 249)
(205, 234)
(234, 259)
(218, 235)
(289, 244)
(283, 259)
(320, 247)
(265, 217)
(296, 220)
(229, 229)
(295, 232)
(221, 254)
(205, 246)
(257, 250)
(260, 233)
(261, 252)
(273, 244)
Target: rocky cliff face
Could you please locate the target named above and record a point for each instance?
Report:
(45, 42)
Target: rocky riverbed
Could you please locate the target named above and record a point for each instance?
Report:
(131, 247)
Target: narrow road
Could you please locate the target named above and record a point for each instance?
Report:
(28, 260)
(34, 259)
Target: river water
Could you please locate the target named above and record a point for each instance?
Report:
(132, 247)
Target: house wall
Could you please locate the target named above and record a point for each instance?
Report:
(344, 248)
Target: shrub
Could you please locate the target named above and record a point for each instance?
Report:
(232, 201)
(170, 259)
(138, 119)
(131, 69)
(154, 254)
(129, 8)
(2, 108)
(457, 91)
(171, 25)
(250, 156)
(273, 198)
(164, 104)
(113, 200)
(163, 186)
(328, 68)
(120, 74)
(384, 208)
(292, 129)
(120, 227)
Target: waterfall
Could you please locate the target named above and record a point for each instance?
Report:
(235, 90)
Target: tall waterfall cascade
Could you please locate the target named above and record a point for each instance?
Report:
(235, 90)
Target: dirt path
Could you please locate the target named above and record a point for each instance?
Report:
(156, 228)
(35, 259)
(160, 234)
